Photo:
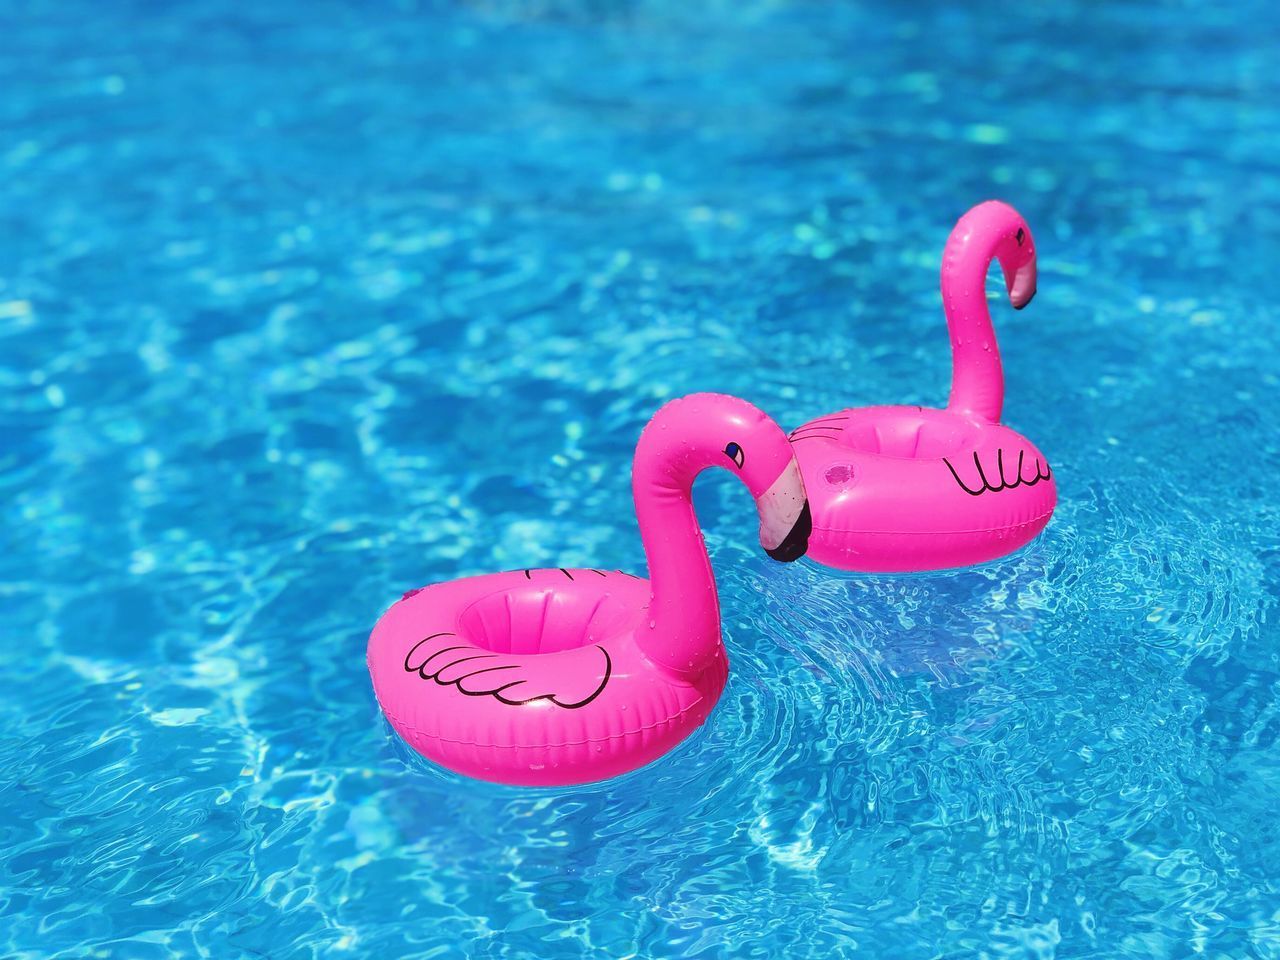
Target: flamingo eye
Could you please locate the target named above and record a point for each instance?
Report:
(1022, 235)
(734, 453)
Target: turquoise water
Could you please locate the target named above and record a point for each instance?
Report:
(306, 305)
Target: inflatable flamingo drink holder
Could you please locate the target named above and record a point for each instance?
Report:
(553, 677)
(910, 488)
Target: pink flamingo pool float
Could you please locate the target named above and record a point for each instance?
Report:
(563, 676)
(910, 488)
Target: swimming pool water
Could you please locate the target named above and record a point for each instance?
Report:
(305, 305)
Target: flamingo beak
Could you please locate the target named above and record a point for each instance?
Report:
(1023, 286)
(796, 542)
(785, 520)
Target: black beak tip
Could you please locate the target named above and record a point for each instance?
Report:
(796, 541)
(1023, 304)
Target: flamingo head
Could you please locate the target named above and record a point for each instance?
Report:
(1016, 251)
(704, 430)
(757, 450)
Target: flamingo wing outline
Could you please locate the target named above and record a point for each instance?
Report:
(510, 679)
(1041, 472)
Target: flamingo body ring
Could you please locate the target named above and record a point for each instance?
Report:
(563, 676)
(895, 488)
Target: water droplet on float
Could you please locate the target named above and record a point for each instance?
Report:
(652, 624)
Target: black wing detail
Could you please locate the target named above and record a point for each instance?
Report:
(1040, 472)
(510, 679)
(818, 428)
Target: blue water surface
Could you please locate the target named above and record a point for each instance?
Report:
(303, 305)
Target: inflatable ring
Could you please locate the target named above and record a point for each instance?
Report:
(564, 676)
(910, 488)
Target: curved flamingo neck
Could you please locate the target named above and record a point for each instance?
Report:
(977, 378)
(682, 629)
